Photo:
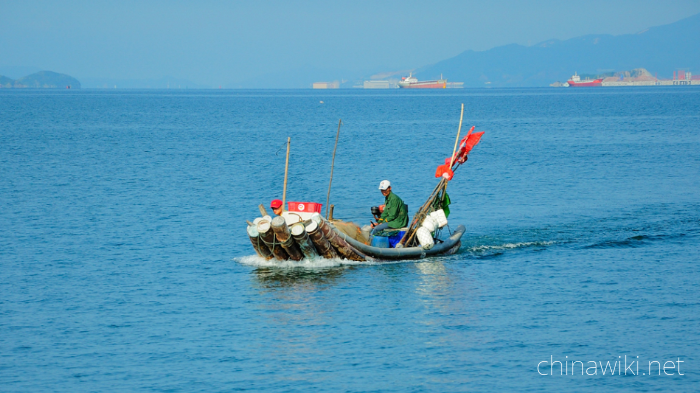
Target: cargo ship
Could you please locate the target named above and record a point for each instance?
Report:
(576, 81)
(412, 83)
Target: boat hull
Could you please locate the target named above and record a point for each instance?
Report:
(593, 83)
(424, 85)
(449, 246)
(273, 239)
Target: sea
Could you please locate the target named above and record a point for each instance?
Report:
(125, 265)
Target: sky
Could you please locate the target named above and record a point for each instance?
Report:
(235, 42)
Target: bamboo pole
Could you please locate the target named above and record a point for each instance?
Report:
(408, 236)
(461, 116)
(319, 240)
(452, 160)
(268, 236)
(441, 187)
(260, 247)
(328, 197)
(282, 234)
(301, 238)
(286, 170)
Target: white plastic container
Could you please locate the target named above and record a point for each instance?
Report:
(257, 220)
(297, 229)
(439, 216)
(425, 238)
(300, 211)
(430, 224)
(292, 218)
(263, 226)
(366, 231)
(317, 218)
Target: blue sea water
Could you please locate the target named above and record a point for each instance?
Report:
(125, 265)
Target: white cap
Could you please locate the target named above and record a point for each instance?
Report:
(384, 185)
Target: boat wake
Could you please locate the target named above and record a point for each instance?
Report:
(508, 246)
(316, 263)
(636, 228)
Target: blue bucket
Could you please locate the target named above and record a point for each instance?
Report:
(380, 241)
(394, 240)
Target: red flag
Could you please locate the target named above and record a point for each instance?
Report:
(463, 142)
(444, 171)
(441, 169)
(448, 174)
(465, 146)
(473, 141)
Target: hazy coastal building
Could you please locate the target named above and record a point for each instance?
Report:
(326, 85)
(374, 84)
(642, 77)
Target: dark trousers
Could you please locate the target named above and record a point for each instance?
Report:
(380, 227)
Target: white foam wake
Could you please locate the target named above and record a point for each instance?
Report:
(509, 246)
(316, 263)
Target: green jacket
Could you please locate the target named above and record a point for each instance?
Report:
(395, 212)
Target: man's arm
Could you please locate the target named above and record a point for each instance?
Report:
(391, 210)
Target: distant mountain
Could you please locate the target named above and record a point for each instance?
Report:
(6, 82)
(47, 79)
(660, 50)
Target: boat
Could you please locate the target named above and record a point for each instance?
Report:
(576, 81)
(301, 232)
(412, 82)
(330, 238)
(448, 246)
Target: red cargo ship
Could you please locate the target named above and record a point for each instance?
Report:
(413, 83)
(576, 81)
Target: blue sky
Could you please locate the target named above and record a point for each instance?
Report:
(223, 42)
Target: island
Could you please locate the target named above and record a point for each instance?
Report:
(41, 80)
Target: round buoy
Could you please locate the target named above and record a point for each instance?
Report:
(424, 238)
(298, 229)
(311, 226)
(321, 102)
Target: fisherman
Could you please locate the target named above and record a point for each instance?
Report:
(276, 206)
(395, 214)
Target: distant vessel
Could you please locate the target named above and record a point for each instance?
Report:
(576, 81)
(413, 83)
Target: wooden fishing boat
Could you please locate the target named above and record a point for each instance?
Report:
(447, 246)
(318, 237)
(301, 232)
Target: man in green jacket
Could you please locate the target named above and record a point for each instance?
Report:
(395, 214)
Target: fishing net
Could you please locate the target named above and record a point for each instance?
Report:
(351, 230)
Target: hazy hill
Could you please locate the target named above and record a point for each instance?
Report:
(660, 50)
(47, 79)
(6, 82)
